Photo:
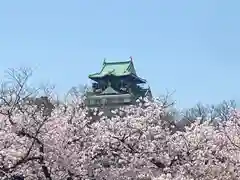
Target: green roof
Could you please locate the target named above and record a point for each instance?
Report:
(120, 68)
(116, 69)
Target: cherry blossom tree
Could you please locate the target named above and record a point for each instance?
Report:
(138, 142)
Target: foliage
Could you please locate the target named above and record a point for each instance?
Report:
(137, 143)
(214, 113)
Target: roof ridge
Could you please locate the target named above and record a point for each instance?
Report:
(117, 62)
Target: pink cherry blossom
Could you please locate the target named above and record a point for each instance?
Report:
(137, 142)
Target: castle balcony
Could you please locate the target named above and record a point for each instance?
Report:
(99, 100)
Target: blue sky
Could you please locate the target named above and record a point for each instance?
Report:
(189, 46)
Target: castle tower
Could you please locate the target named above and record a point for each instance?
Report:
(117, 84)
